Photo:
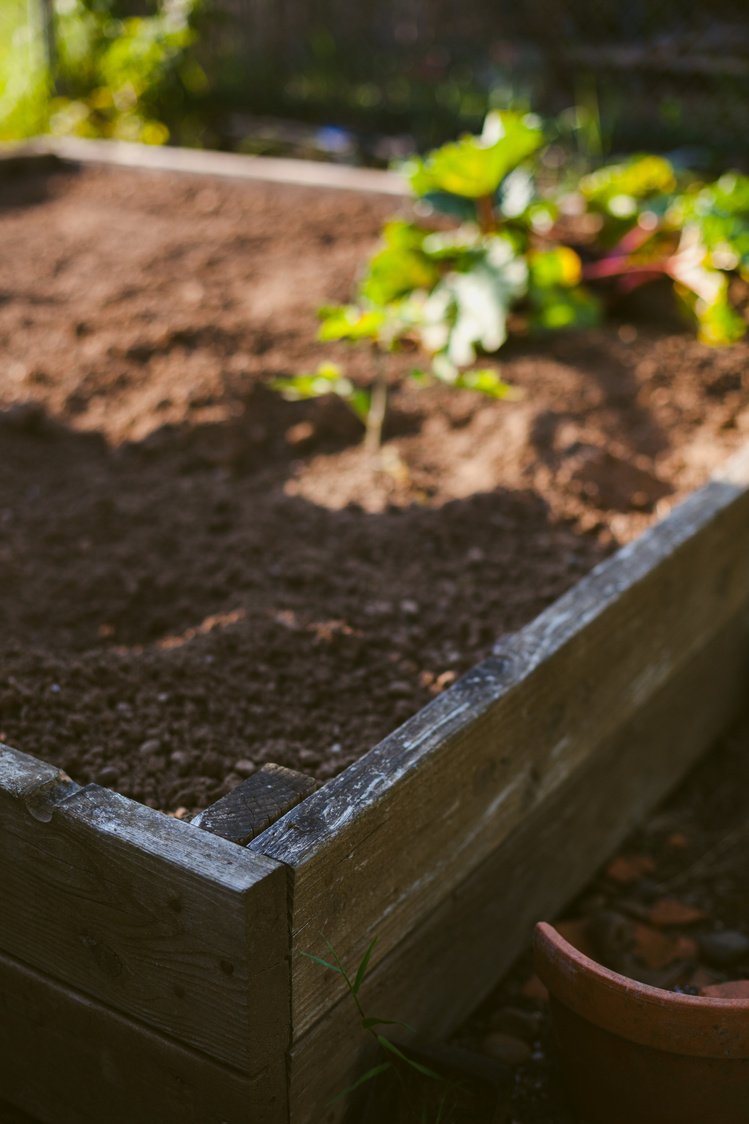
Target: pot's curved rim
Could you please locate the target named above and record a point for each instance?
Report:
(665, 1020)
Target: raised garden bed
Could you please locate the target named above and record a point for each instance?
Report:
(187, 571)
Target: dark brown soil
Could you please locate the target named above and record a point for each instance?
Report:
(195, 573)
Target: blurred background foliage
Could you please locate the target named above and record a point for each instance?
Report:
(329, 79)
(97, 68)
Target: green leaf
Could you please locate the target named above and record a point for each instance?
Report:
(456, 205)
(399, 267)
(362, 970)
(473, 166)
(469, 310)
(327, 379)
(388, 1045)
(560, 266)
(323, 962)
(487, 381)
(558, 307)
(720, 211)
(360, 402)
(365, 1077)
(617, 188)
(367, 1024)
(340, 966)
(718, 322)
(350, 322)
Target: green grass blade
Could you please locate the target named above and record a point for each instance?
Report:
(362, 971)
(340, 966)
(387, 1045)
(323, 962)
(365, 1077)
(367, 1024)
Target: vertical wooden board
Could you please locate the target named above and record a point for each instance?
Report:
(423, 809)
(167, 923)
(452, 959)
(68, 1059)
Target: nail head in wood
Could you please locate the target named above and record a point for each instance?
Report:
(255, 804)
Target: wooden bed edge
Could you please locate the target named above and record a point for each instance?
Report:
(230, 165)
(423, 809)
(452, 957)
(67, 1058)
(174, 927)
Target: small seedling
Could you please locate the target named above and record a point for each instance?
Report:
(369, 1024)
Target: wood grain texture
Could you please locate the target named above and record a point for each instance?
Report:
(68, 1059)
(164, 922)
(455, 955)
(232, 165)
(412, 819)
(256, 803)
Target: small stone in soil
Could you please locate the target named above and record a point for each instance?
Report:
(245, 768)
(505, 1049)
(533, 988)
(309, 757)
(517, 1023)
(152, 746)
(400, 690)
(107, 776)
(723, 948)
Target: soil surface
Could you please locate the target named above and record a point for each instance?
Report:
(671, 910)
(196, 576)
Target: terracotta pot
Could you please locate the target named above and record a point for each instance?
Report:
(634, 1054)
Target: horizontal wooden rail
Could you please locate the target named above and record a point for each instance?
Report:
(68, 1059)
(271, 169)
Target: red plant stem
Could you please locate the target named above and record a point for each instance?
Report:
(616, 266)
(485, 209)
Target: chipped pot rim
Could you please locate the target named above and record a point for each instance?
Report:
(696, 1025)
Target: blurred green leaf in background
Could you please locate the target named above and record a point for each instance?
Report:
(83, 68)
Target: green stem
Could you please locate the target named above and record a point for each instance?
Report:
(377, 405)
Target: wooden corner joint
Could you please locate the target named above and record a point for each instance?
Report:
(256, 803)
(40, 799)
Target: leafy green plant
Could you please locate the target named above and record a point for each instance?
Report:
(103, 76)
(369, 1025)
(449, 287)
(694, 233)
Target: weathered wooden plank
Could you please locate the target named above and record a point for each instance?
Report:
(232, 165)
(447, 964)
(256, 803)
(68, 1059)
(164, 922)
(413, 818)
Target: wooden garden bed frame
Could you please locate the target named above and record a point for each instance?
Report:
(151, 973)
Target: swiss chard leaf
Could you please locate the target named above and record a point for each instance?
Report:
(474, 167)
